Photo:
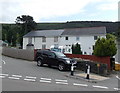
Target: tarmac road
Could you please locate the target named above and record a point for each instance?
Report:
(22, 75)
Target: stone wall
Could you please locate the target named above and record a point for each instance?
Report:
(18, 53)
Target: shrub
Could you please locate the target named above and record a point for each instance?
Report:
(105, 47)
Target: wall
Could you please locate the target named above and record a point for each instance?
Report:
(85, 41)
(119, 51)
(37, 41)
(18, 53)
(25, 42)
(117, 56)
(105, 60)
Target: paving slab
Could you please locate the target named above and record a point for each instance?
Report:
(93, 78)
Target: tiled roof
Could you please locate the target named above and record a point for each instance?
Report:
(66, 32)
(45, 33)
(85, 31)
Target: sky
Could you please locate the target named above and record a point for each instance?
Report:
(59, 10)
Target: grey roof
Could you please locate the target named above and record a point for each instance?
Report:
(85, 31)
(46, 33)
(66, 32)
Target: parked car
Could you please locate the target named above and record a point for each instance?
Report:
(52, 58)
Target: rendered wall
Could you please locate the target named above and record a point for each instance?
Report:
(18, 53)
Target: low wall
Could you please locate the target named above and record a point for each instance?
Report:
(105, 60)
(18, 53)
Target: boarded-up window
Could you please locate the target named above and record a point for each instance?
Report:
(55, 39)
(43, 39)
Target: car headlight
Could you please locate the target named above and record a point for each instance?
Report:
(68, 61)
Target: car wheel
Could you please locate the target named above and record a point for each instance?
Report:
(61, 67)
(39, 62)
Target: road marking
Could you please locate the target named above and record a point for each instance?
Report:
(3, 74)
(61, 80)
(100, 87)
(13, 78)
(29, 79)
(16, 76)
(45, 78)
(0, 66)
(84, 85)
(116, 89)
(45, 81)
(61, 83)
(118, 77)
(3, 62)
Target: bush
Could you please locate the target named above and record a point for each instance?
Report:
(76, 49)
(105, 47)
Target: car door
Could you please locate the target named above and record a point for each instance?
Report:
(45, 57)
(52, 60)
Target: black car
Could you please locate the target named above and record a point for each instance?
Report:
(52, 58)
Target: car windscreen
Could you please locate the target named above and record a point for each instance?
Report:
(59, 54)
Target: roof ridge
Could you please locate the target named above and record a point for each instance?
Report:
(86, 27)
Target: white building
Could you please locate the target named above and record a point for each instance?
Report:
(86, 37)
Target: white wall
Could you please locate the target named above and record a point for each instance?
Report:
(25, 42)
(86, 42)
(37, 41)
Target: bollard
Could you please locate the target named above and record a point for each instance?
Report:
(72, 70)
(88, 72)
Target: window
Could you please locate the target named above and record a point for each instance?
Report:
(77, 38)
(30, 40)
(69, 50)
(95, 37)
(51, 55)
(43, 39)
(43, 46)
(55, 39)
(66, 38)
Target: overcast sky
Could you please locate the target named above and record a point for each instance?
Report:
(59, 10)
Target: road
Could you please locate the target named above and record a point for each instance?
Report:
(22, 75)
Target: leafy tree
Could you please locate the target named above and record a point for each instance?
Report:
(27, 23)
(111, 36)
(76, 49)
(105, 47)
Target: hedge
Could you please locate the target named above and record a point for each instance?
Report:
(95, 67)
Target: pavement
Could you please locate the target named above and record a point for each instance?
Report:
(94, 78)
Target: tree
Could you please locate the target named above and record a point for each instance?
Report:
(110, 36)
(105, 47)
(27, 23)
(76, 49)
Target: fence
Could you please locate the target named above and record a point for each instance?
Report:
(104, 60)
(18, 53)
